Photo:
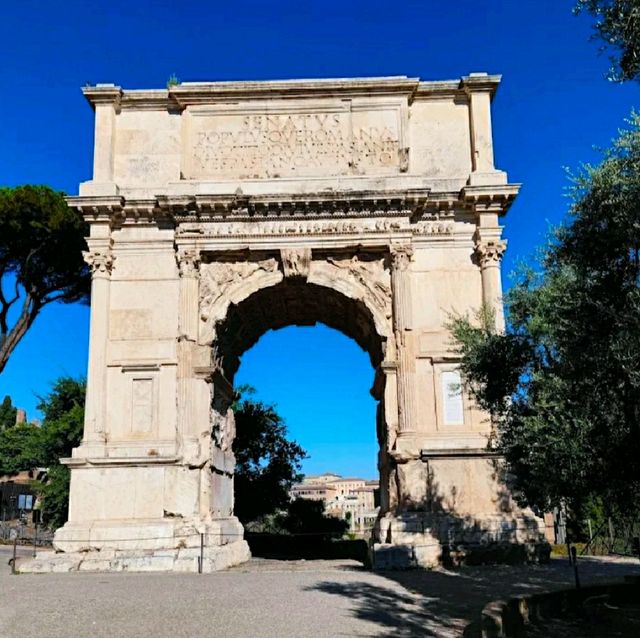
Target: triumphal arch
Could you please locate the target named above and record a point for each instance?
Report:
(218, 211)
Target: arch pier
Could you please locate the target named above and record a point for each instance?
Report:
(218, 211)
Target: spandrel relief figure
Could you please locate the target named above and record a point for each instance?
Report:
(223, 431)
(218, 277)
(369, 274)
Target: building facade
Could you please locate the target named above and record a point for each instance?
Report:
(352, 499)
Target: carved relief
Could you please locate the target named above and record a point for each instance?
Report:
(319, 227)
(296, 227)
(434, 228)
(188, 261)
(370, 275)
(490, 252)
(100, 262)
(296, 262)
(218, 277)
(401, 256)
(223, 429)
(403, 155)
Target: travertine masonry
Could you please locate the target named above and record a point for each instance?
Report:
(221, 210)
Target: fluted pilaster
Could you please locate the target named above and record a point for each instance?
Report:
(402, 318)
(100, 259)
(188, 265)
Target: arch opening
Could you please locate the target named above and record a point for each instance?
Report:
(293, 301)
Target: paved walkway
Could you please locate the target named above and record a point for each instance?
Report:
(267, 599)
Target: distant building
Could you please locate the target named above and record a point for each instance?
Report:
(17, 494)
(320, 479)
(353, 499)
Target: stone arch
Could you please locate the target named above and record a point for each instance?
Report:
(244, 296)
(227, 281)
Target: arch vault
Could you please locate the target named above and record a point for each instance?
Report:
(220, 210)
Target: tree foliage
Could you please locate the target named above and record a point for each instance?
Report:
(26, 446)
(41, 243)
(563, 383)
(617, 25)
(267, 462)
(305, 516)
(8, 413)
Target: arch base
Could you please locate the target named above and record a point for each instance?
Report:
(187, 559)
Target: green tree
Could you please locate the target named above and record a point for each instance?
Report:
(26, 446)
(306, 516)
(8, 413)
(617, 25)
(267, 463)
(63, 419)
(41, 243)
(61, 431)
(20, 448)
(563, 383)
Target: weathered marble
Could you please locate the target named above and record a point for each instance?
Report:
(221, 210)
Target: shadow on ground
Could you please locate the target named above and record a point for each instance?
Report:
(447, 603)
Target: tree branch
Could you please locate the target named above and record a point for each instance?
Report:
(4, 309)
(11, 339)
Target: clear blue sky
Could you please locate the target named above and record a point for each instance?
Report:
(553, 107)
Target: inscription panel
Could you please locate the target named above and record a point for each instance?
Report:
(343, 138)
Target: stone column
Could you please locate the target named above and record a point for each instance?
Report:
(100, 259)
(489, 254)
(402, 319)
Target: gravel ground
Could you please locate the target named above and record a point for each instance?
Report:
(263, 598)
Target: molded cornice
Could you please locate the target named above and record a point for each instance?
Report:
(416, 203)
(187, 94)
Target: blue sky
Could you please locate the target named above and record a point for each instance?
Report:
(554, 106)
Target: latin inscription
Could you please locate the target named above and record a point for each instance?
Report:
(276, 145)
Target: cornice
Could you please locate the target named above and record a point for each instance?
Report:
(190, 93)
(186, 94)
(308, 205)
(418, 204)
(480, 82)
(490, 198)
(102, 94)
(97, 207)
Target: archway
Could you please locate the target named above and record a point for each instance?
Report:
(342, 290)
(378, 213)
